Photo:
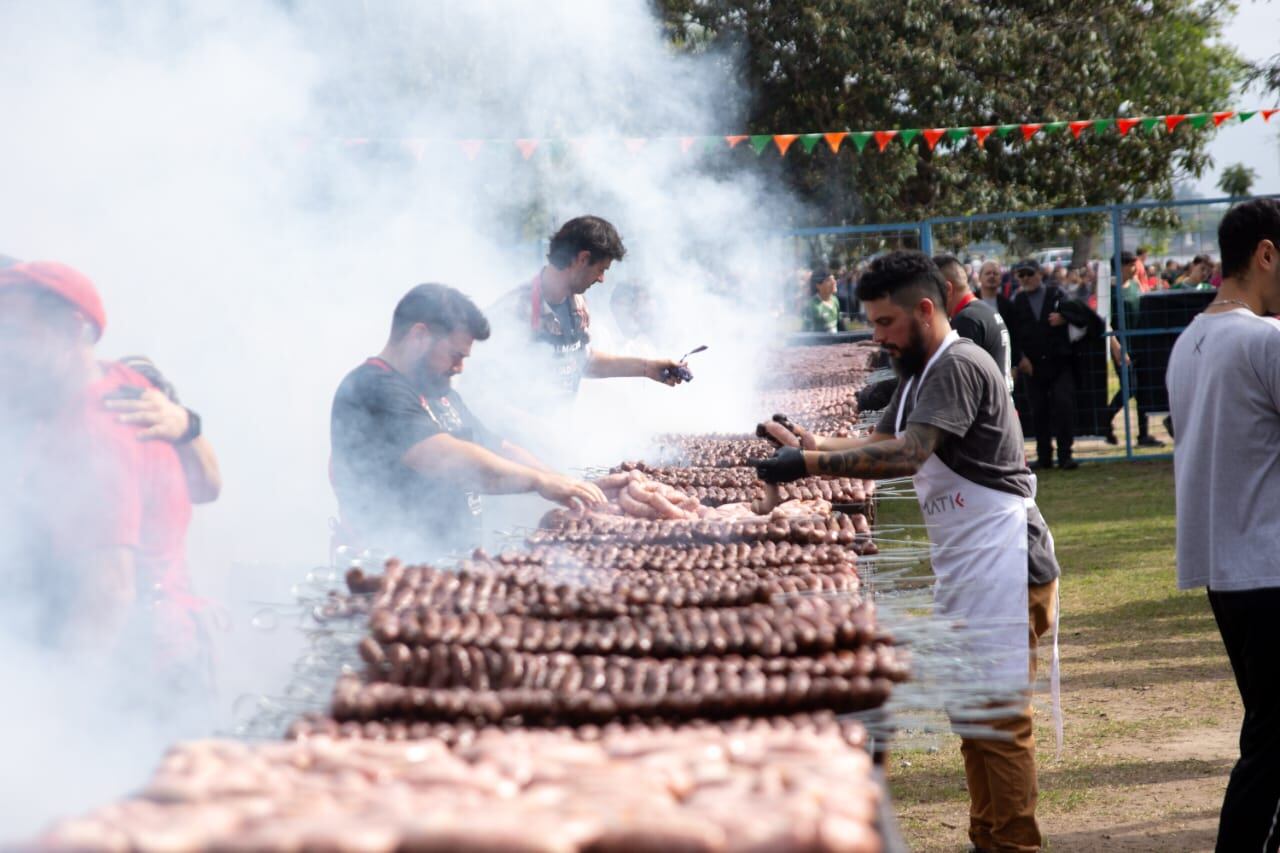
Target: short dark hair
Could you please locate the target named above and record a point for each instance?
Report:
(1243, 228)
(902, 275)
(442, 309)
(1127, 257)
(941, 261)
(1202, 259)
(1142, 250)
(585, 233)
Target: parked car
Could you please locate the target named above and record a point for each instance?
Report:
(1058, 255)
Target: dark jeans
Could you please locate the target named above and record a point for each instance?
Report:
(1052, 394)
(1113, 408)
(1250, 817)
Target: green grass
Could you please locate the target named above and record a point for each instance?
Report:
(1141, 661)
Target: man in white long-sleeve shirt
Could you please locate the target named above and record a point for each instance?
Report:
(1224, 393)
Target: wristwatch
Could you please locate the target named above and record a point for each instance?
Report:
(193, 428)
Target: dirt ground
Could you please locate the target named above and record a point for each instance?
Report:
(1150, 706)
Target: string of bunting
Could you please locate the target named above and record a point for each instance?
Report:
(783, 143)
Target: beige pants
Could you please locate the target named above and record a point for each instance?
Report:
(1001, 774)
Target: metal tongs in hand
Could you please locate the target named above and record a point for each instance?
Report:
(680, 371)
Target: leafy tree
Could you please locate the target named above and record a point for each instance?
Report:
(1236, 180)
(864, 64)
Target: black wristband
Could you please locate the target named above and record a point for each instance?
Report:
(193, 428)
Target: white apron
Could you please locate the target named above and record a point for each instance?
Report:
(978, 547)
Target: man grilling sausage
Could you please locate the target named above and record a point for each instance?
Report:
(552, 310)
(951, 427)
(409, 459)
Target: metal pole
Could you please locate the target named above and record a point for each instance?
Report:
(1118, 309)
(926, 237)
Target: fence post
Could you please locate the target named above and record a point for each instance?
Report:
(926, 237)
(1118, 311)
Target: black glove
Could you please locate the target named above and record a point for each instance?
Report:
(786, 465)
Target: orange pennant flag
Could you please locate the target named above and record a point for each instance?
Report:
(581, 144)
(686, 142)
(416, 147)
(634, 144)
(933, 134)
(1267, 114)
(1172, 121)
(834, 140)
(1078, 127)
(471, 147)
(734, 140)
(1030, 130)
(884, 137)
(1124, 125)
(1219, 118)
(981, 133)
(783, 141)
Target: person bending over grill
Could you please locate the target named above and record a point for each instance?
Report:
(409, 460)
(950, 426)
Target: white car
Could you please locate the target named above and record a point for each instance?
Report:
(1060, 255)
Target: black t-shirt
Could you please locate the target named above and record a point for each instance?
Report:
(964, 396)
(983, 325)
(377, 416)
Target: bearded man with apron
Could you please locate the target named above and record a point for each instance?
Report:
(951, 427)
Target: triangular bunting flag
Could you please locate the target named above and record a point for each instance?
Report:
(1219, 118)
(1053, 127)
(884, 137)
(1149, 123)
(1029, 130)
(1172, 121)
(1267, 114)
(416, 147)
(734, 140)
(783, 141)
(1005, 129)
(581, 144)
(686, 142)
(527, 147)
(981, 133)
(860, 139)
(907, 136)
(932, 135)
(760, 141)
(1103, 125)
(1199, 120)
(834, 140)
(1246, 116)
(808, 141)
(1078, 127)
(955, 134)
(634, 144)
(471, 147)
(1124, 125)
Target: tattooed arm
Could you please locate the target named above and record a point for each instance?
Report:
(879, 460)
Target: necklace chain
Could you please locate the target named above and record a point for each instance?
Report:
(1229, 302)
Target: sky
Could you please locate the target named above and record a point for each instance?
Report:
(1254, 143)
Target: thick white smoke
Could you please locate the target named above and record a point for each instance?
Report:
(187, 157)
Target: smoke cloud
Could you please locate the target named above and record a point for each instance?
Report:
(190, 159)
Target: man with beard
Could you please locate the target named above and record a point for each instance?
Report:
(409, 459)
(552, 311)
(951, 427)
(94, 518)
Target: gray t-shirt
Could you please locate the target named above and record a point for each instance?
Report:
(1224, 394)
(965, 396)
(1036, 298)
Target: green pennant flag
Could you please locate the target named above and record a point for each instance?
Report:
(907, 135)
(1246, 116)
(955, 134)
(1149, 123)
(1006, 129)
(860, 139)
(1199, 120)
(760, 141)
(1053, 127)
(808, 140)
(558, 148)
(712, 143)
(1103, 125)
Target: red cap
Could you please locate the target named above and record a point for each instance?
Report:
(70, 284)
